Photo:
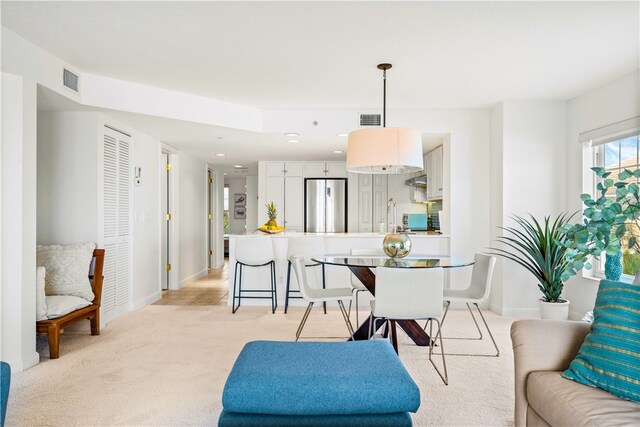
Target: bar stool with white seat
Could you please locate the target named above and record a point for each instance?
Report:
(313, 295)
(357, 284)
(410, 294)
(476, 294)
(308, 247)
(254, 252)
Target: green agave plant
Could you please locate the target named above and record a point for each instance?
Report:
(544, 249)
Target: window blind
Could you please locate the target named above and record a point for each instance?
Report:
(613, 132)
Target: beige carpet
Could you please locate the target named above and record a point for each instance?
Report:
(165, 365)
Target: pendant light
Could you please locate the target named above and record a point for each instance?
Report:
(385, 150)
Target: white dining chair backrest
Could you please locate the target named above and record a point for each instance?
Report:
(308, 247)
(297, 261)
(409, 293)
(364, 252)
(254, 250)
(481, 277)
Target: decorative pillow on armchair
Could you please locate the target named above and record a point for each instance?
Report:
(67, 269)
(610, 355)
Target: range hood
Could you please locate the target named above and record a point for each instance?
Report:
(417, 181)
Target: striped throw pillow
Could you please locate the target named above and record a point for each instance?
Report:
(610, 355)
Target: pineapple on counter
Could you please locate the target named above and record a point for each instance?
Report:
(271, 226)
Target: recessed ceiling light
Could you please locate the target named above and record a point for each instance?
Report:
(291, 134)
(220, 154)
(225, 173)
(338, 151)
(343, 134)
(237, 166)
(293, 141)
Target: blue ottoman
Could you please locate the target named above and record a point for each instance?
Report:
(319, 384)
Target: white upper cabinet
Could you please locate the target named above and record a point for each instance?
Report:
(315, 169)
(336, 169)
(434, 169)
(325, 169)
(284, 186)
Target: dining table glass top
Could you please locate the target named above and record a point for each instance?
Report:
(416, 261)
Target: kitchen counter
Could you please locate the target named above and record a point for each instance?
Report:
(423, 243)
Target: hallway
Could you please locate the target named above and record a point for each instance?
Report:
(212, 289)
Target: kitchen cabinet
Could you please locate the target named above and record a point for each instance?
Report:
(372, 202)
(284, 186)
(325, 169)
(433, 163)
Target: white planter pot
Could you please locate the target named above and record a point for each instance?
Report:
(554, 310)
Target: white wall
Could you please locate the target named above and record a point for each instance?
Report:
(533, 182)
(69, 181)
(147, 220)
(69, 177)
(18, 232)
(192, 218)
(236, 186)
(497, 213)
(252, 203)
(610, 103)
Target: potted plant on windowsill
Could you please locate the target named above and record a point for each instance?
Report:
(544, 249)
(611, 221)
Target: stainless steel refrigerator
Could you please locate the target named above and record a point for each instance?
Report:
(325, 207)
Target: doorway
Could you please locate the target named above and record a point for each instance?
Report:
(165, 212)
(210, 226)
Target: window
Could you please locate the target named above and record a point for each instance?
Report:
(615, 156)
(226, 210)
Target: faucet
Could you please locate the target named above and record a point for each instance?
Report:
(393, 228)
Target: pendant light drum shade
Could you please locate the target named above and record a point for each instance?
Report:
(385, 151)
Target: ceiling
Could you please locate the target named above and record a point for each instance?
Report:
(319, 55)
(324, 54)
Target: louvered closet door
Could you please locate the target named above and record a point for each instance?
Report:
(117, 213)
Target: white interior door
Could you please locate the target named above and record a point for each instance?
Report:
(164, 210)
(116, 223)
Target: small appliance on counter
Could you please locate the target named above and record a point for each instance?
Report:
(415, 222)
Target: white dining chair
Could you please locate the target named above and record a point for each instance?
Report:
(476, 294)
(356, 284)
(411, 294)
(308, 247)
(253, 252)
(313, 295)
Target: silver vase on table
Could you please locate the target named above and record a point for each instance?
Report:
(395, 245)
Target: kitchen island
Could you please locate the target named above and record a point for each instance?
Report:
(423, 243)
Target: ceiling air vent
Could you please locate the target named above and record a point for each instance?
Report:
(370, 120)
(70, 80)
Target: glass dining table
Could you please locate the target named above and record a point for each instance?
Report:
(362, 267)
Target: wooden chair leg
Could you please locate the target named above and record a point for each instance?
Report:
(54, 341)
(95, 323)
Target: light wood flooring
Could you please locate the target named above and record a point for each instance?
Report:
(212, 289)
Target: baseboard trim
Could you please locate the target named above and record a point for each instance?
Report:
(24, 363)
(521, 313)
(150, 299)
(194, 277)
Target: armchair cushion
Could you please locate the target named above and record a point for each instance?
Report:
(59, 305)
(610, 354)
(41, 302)
(567, 403)
(66, 269)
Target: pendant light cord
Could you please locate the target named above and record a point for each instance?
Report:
(384, 98)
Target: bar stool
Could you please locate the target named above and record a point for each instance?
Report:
(254, 252)
(308, 247)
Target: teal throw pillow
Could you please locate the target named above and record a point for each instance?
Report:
(610, 355)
